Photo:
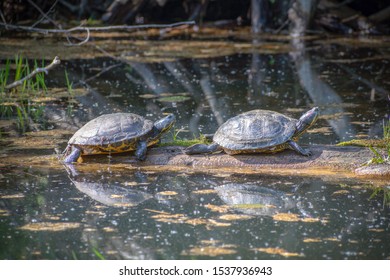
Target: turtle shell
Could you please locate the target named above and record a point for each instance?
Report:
(254, 131)
(112, 129)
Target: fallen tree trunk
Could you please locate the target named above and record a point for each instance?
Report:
(326, 159)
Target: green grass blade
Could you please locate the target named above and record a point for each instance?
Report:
(98, 254)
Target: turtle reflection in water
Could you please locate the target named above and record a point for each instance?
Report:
(106, 190)
(117, 133)
(255, 200)
(111, 194)
(259, 131)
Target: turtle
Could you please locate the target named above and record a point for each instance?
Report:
(258, 131)
(117, 133)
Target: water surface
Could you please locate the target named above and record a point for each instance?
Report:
(52, 212)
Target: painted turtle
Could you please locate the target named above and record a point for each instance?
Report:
(259, 131)
(116, 133)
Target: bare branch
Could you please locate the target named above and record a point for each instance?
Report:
(46, 69)
(80, 43)
(102, 28)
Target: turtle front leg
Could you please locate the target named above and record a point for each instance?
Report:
(293, 145)
(74, 155)
(140, 152)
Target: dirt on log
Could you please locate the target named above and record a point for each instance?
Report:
(326, 159)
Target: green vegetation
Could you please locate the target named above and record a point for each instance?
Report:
(373, 144)
(71, 101)
(386, 130)
(177, 141)
(380, 158)
(22, 102)
(386, 195)
(98, 254)
(378, 143)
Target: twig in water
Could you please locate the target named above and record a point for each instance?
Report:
(67, 32)
(102, 28)
(46, 69)
(80, 43)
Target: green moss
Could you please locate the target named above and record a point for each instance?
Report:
(176, 141)
(379, 143)
(381, 156)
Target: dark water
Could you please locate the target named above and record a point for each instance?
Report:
(54, 213)
(125, 215)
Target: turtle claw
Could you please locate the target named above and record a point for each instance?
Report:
(293, 145)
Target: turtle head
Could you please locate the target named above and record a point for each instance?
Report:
(306, 121)
(165, 123)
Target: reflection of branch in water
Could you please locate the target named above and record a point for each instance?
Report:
(320, 92)
(104, 70)
(193, 124)
(255, 79)
(148, 76)
(182, 76)
(208, 97)
(211, 98)
(379, 89)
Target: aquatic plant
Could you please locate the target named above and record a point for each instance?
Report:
(19, 101)
(386, 194)
(380, 158)
(71, 101)
(183, 142)
(386, 129)
(374, 145)
(98, 254)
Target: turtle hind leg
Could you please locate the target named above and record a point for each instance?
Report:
(140, 152)
(293, 145)
(202, 149)
(73, 156)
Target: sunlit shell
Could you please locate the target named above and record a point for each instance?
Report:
(112, 128)
(257, 129)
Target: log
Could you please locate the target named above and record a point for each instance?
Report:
(326, 160)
